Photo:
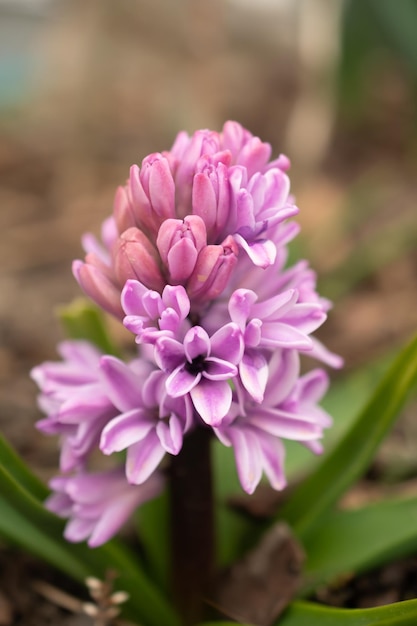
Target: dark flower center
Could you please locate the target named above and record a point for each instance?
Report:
(197, 365)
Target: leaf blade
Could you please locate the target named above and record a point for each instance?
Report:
(353, 453)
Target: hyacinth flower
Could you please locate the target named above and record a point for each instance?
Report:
(150, 421)
(289, 410)
(222, 178)
(98, 504)
(194, 262)
(75, 401)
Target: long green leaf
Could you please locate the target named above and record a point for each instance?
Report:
(350, 542)
(19, 530)
(222, 624)
(42, 535)
(399, 23)
(20, 471)
(352, 455)
(309, 614)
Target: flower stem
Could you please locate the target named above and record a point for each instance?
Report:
(192, 525)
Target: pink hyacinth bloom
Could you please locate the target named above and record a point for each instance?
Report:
(149, 422)
(184, 214)
(179, 243)
(150, 315)
(75, 401)
(194, 261)
(98, 504)
(202, 367)
(289, 411)
(212, 272)
(135, 257)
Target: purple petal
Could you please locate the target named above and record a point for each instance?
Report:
(284, 368)
(175, 297)
(143, 458)
(122, 385)
(131, 299)
(170, 434)
(240, 305)
(113, 518)
(217, 369)
(86, 403)
(262, 253)
(253, 371)
(125, 430)
(196, 343)
(169, 354)
(276, 334)
(181, 260)
(204, 200)
(181, 381)
(320, 352)
(286, 425)
(313, 386)
(227, 343)
(276, 306)
(248, 457)
(212, 400)
(273, 461)
(78, 529)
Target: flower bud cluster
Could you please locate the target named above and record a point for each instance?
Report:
(193, 262)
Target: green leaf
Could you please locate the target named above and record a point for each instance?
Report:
(25, 521)
(222, 624)
(153, 530)
(399, 23)
(20, 471)
(352, 455)
(350, 542)
(83, 320)
(309, 614)
(20, 530)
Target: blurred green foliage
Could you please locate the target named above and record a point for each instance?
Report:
(375, 32)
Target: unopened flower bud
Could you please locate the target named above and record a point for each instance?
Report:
(153, 192)
(95, 281)
(123, 211)
(136, 258)
(179, 243)
(213, 269)
(211, 197)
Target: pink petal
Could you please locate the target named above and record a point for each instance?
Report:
(181, 381)
(121, 384)
(125, 430)
(212, 400)
(143, 458)
(253, 371)
(261, 253)
(196, 343)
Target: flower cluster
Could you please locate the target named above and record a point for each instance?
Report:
(193, 261)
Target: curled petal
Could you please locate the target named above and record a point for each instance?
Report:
(170, 434)
(125, 430)
(196, 343)
(181, 381)
(261, 252)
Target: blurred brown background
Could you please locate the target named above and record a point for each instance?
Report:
(88, 87)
